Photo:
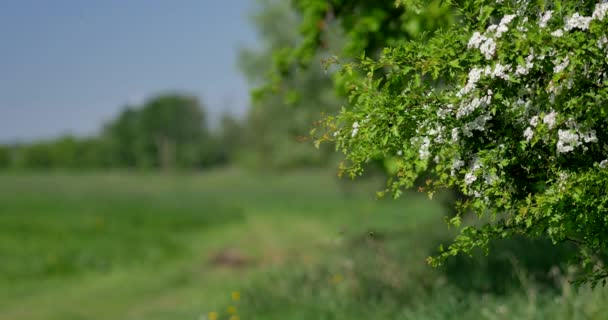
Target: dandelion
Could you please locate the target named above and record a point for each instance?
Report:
(231, 310)
(234, 317)
(337, 278)
(212, 315)
(236, 296)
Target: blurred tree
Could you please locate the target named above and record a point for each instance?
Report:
(38, 155)
(276, 123)
(230, 138)
(5, 159)
(122, 136)
(172, 131)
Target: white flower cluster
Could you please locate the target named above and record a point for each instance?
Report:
(529, 64)
(486, 42)
(544, 19)
(475, 74)
(600, 12)
(424, 152)
(560, 66)
(576, 21)
(478, 124)
(355, 129)
(550, 119)
(557, 33)
(470, 176)
(468, 108)
(572, 138)
(457, 163)
(528, 134)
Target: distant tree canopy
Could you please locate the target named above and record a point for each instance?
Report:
(504, 100)
(277, 123)
(168, 131)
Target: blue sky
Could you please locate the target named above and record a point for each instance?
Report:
(66, 66)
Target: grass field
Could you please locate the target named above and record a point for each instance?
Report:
(295, 246)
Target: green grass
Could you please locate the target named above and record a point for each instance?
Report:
(148, 246)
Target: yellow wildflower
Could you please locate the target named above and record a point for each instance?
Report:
(212, 316)
(336, 278)
(231, 310)
(236, 296)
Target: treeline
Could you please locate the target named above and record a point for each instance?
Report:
(168, 131)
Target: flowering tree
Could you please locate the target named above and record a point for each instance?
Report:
(509, 104)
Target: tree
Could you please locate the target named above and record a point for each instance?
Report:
(277, 122)
(124, 139)
(168, 131)
(5, 157)
(507, 104)
(172, 128)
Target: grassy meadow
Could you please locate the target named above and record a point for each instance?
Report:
(125, 245)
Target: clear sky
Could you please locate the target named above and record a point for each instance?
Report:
(66, 66)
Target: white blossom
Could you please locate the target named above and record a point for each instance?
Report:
(490, 178)
(601, 9)
(576, 21)
(570, 139)
(588, 136)
(549, 119)
(476, 40)
(528, 134)
(534, 121)
(544, 18)
(561, 66)
(557, 33)
(602, 42)
(456, 165)
(474, 77)
(502, 26)
(567, 141)
(488, 48)
(479, 124)
(604, 164)
(500, 71)
(468, 108)
(355, 129)
(424, 152)
(469, 178)
(455, 135)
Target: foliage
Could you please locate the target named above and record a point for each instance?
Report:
(508, 104)
(277, 123)
(167, 131)
(5, 157)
